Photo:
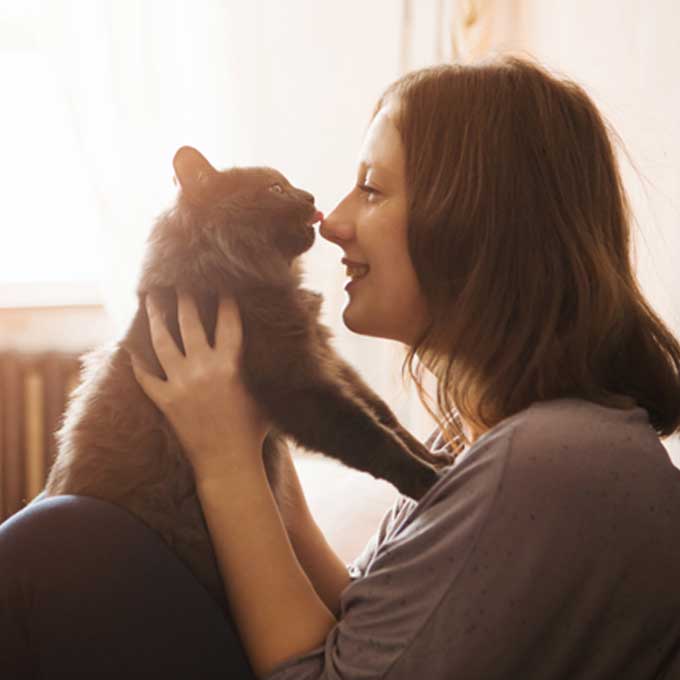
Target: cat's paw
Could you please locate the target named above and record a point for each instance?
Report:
(419, 483)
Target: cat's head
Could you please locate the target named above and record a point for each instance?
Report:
(255, 211)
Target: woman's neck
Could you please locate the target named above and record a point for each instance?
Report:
(471, 434)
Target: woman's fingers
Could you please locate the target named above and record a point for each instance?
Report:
(163, 343)
(150, 384)
(190, 325)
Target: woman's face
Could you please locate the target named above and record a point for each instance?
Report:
(369, 224)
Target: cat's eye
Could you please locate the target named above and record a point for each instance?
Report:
(277, 188)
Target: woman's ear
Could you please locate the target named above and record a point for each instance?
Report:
(192, 171)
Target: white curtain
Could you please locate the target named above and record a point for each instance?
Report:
(144, 78)
(436, 31)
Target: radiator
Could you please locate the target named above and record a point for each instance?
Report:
(34, 389)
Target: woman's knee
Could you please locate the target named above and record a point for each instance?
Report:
(54, 534)
(83, 579)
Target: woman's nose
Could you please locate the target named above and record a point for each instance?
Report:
(336, 227)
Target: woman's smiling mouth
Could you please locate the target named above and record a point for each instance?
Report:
(355, 270)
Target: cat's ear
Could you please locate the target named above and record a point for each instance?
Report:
(193, 171)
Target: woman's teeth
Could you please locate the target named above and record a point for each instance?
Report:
(357, 271)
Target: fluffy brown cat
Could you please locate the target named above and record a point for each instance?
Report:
(236, 232)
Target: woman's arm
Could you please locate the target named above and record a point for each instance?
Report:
(275, 606)
(327, 572)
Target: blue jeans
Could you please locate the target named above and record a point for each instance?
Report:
(87, 590)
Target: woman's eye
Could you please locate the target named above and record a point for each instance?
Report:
(277, 188)
(368, 190)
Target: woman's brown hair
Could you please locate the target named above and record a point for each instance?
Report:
(519, 232)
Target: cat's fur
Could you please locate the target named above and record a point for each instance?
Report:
(235, 232)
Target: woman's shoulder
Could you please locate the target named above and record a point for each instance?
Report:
(563, 454)
(565, 439)
(561, 470)
(567, 417)
(581, 434)
(570, 424)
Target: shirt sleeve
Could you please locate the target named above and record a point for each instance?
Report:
(393, 515)
(401, 506)
(406, 570)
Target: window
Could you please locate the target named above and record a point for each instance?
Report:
(49, 219)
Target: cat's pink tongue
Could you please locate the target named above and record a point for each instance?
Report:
(317, 217)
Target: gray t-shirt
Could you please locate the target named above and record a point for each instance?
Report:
(549, 550)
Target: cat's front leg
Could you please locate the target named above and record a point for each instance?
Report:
(357, 386)
(323, 417)
(382, 411)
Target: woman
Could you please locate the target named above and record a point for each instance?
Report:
(490, 233)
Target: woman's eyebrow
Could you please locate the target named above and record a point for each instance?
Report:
(363, 167)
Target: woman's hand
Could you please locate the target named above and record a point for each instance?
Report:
(214, 416)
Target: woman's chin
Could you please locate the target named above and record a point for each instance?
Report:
(354, 321)
(361, 322)
(365, 322)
